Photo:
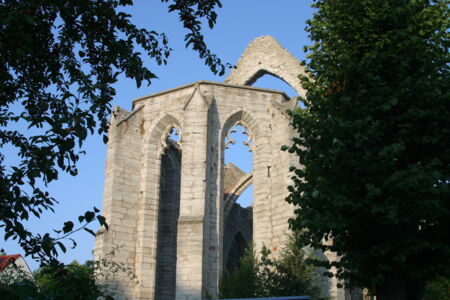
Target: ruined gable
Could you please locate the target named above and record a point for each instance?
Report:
(171, 205)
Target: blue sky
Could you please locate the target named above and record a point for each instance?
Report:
(239, 22)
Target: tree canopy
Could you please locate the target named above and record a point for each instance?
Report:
(373, 142)
(58, 63)
(59, 281)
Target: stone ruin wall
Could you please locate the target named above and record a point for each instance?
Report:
(173, 238)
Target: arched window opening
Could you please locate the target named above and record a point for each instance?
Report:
(238, 194)
(268, 81)
(168, 213)
(239, 147)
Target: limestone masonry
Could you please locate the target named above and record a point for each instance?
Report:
(170, 202)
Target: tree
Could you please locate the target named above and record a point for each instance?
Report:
(72, 281)
(241, 283)
(373, 142)
(59, 281)
(58, 63)
(15, 283)
(265, 276)
(288, 274)
(438, 289)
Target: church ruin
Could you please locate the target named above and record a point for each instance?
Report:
(169, 198)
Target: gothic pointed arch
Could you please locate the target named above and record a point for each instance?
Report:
(161, 165)
(244, 118)
(264, 55)
(161, 130)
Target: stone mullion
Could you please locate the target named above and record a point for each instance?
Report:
(220, 168)
(213, 244)
(261, 187)
(190, 241)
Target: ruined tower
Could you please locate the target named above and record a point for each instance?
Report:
(168, 194)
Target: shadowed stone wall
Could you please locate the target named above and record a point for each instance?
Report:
(237, 236)
(238, 227)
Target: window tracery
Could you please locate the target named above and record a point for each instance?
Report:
(173, 136)
(244, 130)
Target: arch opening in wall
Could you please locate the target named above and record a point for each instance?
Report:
(168, 214)
(269, 81)
(238, 194)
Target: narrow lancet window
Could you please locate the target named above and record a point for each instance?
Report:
(168, 213)
(238, 194)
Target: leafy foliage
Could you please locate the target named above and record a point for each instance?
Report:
(241, 283)
(438, 289)
(73, 281)
(373, 141)
(287, 275)
(191, 14)
(16, 283)
(58, 281)
(58, 63)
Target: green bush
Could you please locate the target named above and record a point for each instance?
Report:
(70, 282)
(54, 282)
(287, 275)
(16, 284)
(438, 289)
(242, 282)
(63, 282)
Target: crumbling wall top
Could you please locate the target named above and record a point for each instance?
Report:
(264, 55)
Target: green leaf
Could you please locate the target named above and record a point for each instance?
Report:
(90, 231)
(61, 245)
(102, 221)
(68, 226)
(89, 216)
